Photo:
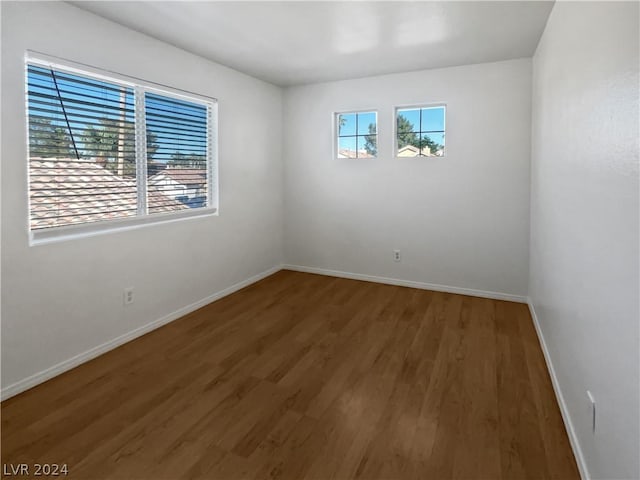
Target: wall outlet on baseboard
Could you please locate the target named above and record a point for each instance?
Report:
(127, 296)
(396, 256)
(592, 411)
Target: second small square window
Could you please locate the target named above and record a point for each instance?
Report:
(357, 135)
(420, 131)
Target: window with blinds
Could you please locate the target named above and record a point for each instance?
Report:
(104, 149)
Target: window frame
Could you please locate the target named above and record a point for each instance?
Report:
(336, 134)
(418, 106)
(142, 217)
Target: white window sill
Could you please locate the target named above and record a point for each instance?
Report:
(75, 232)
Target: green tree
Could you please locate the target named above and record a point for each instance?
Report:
(341, 123)
(47, 140)
(113, 144)
(152, 144)
(406, 136)
(371, 140)
(425, 141)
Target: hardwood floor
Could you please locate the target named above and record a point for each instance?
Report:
(305, 376)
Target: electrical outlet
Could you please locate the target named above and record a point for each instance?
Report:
(396, 256)
(592, 411)
(127, 296)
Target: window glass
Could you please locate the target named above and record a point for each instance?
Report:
(357, 135)
(420, 131)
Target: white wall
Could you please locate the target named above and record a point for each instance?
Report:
(460, 221)
(60, 300)
(584, 222)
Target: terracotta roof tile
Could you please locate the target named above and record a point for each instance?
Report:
(185, 176)
(68, 192)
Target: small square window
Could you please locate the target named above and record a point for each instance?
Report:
(420, 131)
(357, 135)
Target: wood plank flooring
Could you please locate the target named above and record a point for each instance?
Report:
(302, 376)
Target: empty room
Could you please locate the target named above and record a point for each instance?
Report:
(320, 240)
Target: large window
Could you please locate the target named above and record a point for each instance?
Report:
(420, 131)
(356, 135)
(105, 149)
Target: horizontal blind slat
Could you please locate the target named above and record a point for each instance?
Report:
(62, 77)
(85, 99)
(73, 116)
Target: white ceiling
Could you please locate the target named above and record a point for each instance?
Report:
(291, 43)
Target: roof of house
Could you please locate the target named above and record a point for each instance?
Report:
(69, 191)
(412, 150)
(346, 153)
(185, 176)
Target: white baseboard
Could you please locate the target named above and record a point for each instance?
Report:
(409, 283)
(81, 358)
(573, 439)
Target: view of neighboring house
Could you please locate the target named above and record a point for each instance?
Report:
(186, 185)
(406, 151)
(346, 153)
(413, 151)
(70, 191)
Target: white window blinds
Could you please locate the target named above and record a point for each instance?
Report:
(177, 136)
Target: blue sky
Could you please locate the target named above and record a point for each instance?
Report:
(190, 117)
(357, 125)
(432, 118)
(165, 115)
(430, 121)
